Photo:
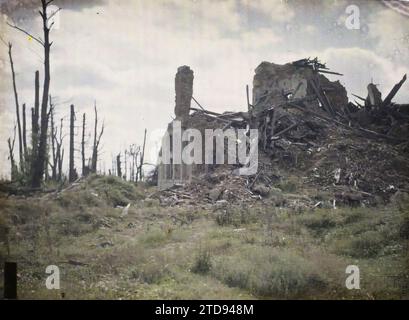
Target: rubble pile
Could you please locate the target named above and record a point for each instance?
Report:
(219, 187)
(355, 152)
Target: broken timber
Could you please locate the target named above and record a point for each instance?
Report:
(358, 129)
(393, 92)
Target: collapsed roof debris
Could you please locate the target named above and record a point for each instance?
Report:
(309, 133)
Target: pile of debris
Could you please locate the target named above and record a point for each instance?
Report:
(356, 152)
(296, 95)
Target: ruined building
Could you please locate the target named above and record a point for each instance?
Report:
(273, 86)
(304, 121)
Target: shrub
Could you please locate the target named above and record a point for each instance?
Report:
(78, 199)
(154, 238)
(232, 273)
(116, 191)
(364, 245)
(277, 274)
(353, 216)
(237, 216)
(150, 273)
(202, 263)
(319, 222)
(67, 226)
(288, 186)
(286, 275)
(223, 218)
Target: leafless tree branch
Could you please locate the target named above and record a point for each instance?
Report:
(25, 32)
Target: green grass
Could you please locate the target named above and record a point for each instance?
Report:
(234, 252)
(269, 273)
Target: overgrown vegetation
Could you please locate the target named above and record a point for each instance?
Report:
(222, 252)
(203, 262)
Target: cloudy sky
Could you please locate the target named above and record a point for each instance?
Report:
(125, 53)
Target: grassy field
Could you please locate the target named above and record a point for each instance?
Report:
(201, 252)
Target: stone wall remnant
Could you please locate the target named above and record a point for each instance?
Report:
(275, 84)
(184, 91)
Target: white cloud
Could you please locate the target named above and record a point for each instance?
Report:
(390, 31)
(276, 10)
(361, 66)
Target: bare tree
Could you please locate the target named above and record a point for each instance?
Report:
(20, 142)
(97, 140)
(40, 160)
(84, 169)
(11, 155)
(53, 138)
(113, 171)
(118, 165)
(25, 138)
(133, 166)
(72, 174)
(142, 157)
(134, 151)
(126, 164)
(35, 128)
(60, 153)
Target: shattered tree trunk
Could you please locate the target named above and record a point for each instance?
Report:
(94, 159)
(83, 146)
(25, 138)
(35, 129)
(60, 153)
(134, 177)
(126, 164)
(71, 174)
(60, 162)
(97, 140)
(39, 167)
(11, 156)
(20, 141)
(142, 157)
(118, 165)
(113, 164)
(53, 147)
